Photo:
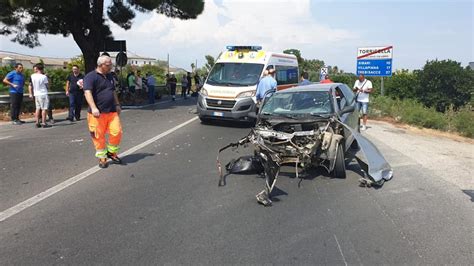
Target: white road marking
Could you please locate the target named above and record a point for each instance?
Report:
(53, 190)
(6, 137)
(340, 250)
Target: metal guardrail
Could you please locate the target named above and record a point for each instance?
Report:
(5, 99)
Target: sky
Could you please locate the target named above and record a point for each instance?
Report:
(329, 30)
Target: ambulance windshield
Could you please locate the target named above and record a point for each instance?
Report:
(235, 74)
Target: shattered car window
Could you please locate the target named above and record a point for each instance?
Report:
(299, 103)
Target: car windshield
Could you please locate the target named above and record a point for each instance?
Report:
(235, 74)
(299, 103)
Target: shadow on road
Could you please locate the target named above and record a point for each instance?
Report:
(135, 157)
(165, 104)
(168, 104)
(470, 193)
(230, 124)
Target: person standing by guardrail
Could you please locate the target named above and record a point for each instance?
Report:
(184, 86)
(197, 82)
(139, 84)
(131, 82)
(151, 82)
(39, 88)
(75, 94)
(104, 110)
(172, 82)
(16, 80)
(189, 82)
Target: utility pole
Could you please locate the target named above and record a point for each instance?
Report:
(168, 63)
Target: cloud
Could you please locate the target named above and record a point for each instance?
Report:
(276, 25)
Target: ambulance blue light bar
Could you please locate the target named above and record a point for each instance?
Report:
(235, 47)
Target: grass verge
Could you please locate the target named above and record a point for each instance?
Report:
(414, 113)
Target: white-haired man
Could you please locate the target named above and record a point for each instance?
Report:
(103, 112)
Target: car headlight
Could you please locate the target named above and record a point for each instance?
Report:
(204, 92)
(246, 94)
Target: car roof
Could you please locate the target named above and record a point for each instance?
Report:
(311, 87)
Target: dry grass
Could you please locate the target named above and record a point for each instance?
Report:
(423, 131)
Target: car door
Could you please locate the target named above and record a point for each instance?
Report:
(351, 119)
(347, 98)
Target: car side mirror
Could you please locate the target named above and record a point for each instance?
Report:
(347, 109)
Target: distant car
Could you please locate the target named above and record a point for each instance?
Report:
(310, 126)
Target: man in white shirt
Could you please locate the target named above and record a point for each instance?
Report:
(139, 84)
(362, 88)
(39, 89)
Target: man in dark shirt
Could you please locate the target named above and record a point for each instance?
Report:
(103, 112)
(75, 93)
(172, 82)
(189, 79)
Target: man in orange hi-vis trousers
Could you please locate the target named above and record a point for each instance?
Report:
(103, 112)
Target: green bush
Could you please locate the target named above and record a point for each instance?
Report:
(464, 121)
(408, 111)
(57, 79)
(444, 83)
(414, 113)
(346, 78)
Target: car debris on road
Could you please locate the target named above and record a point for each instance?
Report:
(306, 140)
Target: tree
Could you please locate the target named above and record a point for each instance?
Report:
(443, 83)
(346, 78)
(296, 53)
(210, 62)
(193, 66)
(84, 20)
(312, 66)
(79, 61)
(402, 85)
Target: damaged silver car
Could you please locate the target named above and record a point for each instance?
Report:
(308, 126)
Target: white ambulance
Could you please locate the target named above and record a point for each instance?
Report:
(230, 88)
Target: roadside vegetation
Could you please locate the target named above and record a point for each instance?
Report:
(438, 96)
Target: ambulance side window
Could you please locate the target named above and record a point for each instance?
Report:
(286, 75)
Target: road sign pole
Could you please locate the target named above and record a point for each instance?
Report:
(382, 91)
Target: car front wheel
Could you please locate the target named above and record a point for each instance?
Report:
(339, 170)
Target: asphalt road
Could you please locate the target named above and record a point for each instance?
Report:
(164, 205)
